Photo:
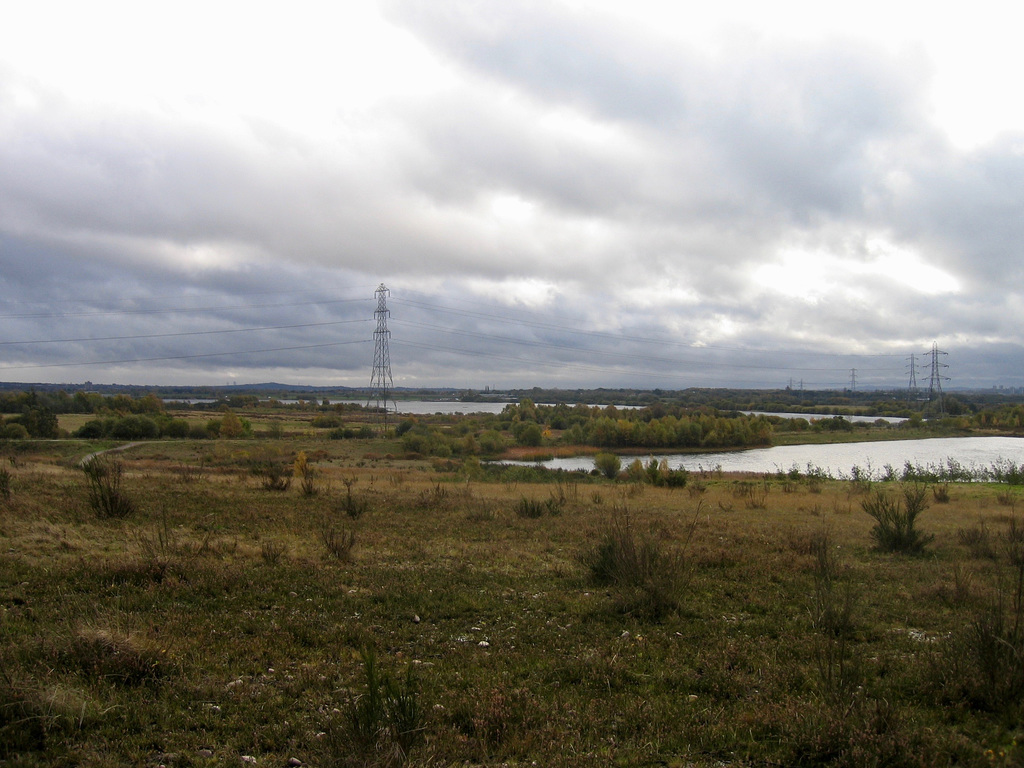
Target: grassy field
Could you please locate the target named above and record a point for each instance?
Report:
(391, 611)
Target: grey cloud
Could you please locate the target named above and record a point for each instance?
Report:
(647, 166)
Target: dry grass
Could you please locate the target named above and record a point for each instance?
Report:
(212, 620)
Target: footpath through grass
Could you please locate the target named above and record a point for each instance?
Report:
(384, 614)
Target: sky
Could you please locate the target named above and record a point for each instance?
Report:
(556, 194)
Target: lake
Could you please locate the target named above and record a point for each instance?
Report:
(837, 459)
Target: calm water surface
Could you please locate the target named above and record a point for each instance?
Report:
(837, 459)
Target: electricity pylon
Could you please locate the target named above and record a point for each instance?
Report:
(912, 388)
(381, 381)
(935, 380)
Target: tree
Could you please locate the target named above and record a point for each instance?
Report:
(530, 435)
(231, 426)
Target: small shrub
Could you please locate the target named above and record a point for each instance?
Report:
(754, 495)
(353, 506)
(1006, 498)
(305, 472)
(696, 489)
(482, 515)
(652, 578)
(338, 544)
(940, 492)
(978, 540)
(190, 473)
(433, 498)
(530, 508)
(608, 464)
(5, 483)
(273, 551)
(273, 476)
(107, 497)
(895, 519)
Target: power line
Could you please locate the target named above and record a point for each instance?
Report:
(562, 327)
(184, 333)
(623, 355)
(171, 310)
(127, 361)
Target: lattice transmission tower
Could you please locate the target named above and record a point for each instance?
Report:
(936, 377)
(912, 387)
(380, 381)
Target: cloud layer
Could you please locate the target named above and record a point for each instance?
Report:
(553, 197)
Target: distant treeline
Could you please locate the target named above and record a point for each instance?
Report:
(659, 425)
(789, 400)
(656, 426)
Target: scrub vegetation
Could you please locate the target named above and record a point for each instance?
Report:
(304, 593)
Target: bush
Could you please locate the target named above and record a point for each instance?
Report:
(176, 428)
(338, 544)
(92, 430)
(272, 551)
(134, 428)
(608, 464)
(653, 579)
(13, 432)
(106, 495)
(530, 508)
(273, 475)
(530, 435)
(305, 472)
(352, 505)
(895, 519)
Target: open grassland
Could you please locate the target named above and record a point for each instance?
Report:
(387, 611)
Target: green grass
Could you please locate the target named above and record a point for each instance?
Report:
(171, 634)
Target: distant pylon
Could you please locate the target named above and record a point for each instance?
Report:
(381, 381)
(912, 388)
(936, 377)
(853, 379)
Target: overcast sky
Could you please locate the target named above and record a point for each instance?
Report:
(574, 194)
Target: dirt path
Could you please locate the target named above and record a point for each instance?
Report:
(93, 455)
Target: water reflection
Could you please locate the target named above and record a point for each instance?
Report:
(839, 459)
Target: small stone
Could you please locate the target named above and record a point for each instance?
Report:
(249, 759)
(415, 619)
(484, 644)
(294, 762)
(206, 753)
(691, 698)
(293, 594)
